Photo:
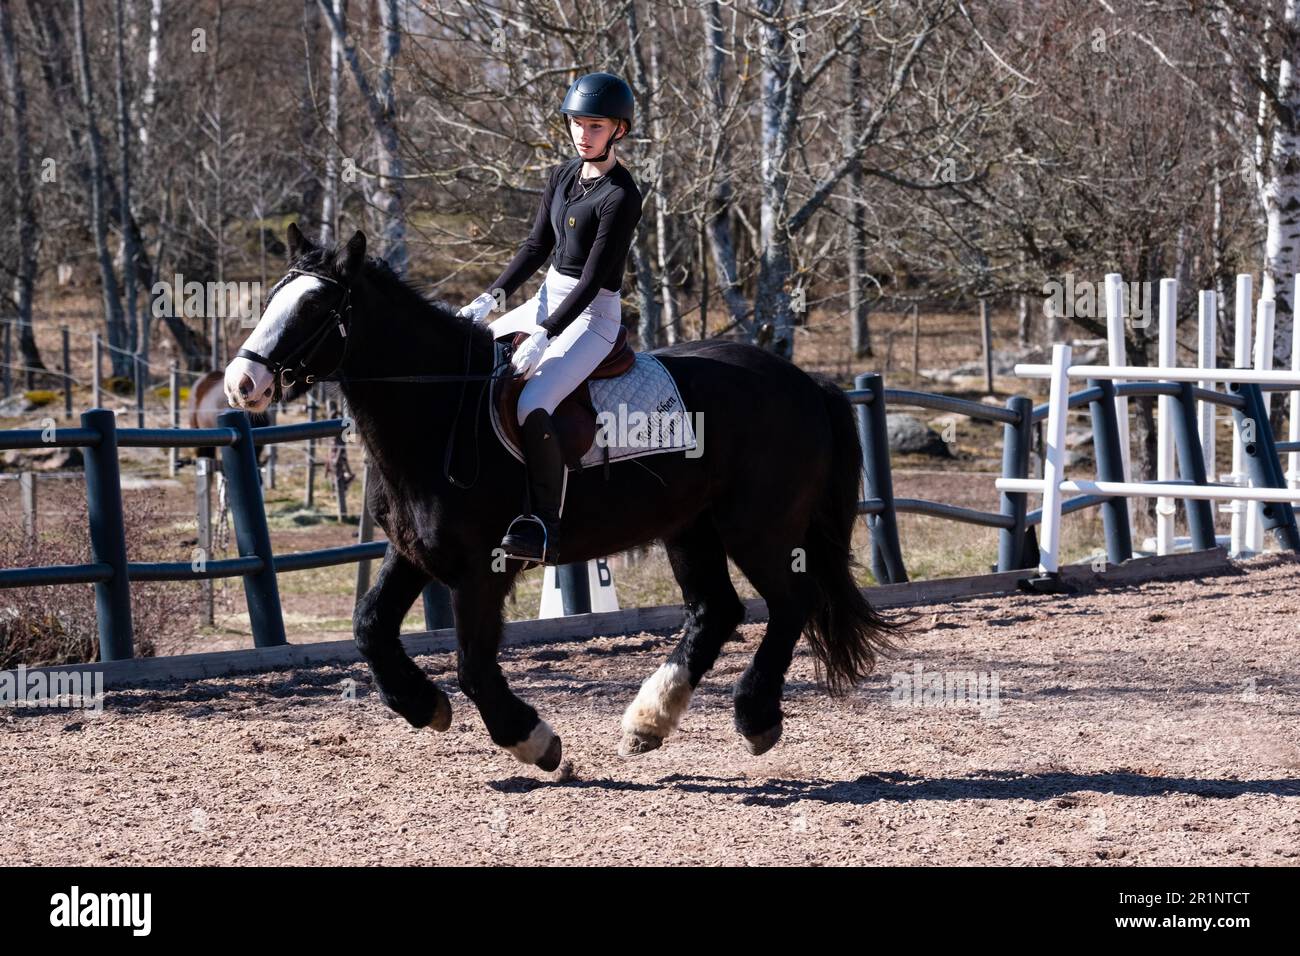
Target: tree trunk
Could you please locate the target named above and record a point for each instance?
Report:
(137, 337)
(386, 193)
(311, 200)
(26, 273)
(773, 320)
(330, 200)
(648, 325)
(859, 306)
(672, 320)
(114, 322)
(1282, 188)
(718, 214)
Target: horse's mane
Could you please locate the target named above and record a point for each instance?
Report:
(380, 273)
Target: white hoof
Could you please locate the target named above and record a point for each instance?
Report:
(660, 704)
(538, 744)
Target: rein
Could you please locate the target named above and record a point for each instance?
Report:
(301, 358)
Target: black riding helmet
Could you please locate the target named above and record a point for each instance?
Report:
(603, 95)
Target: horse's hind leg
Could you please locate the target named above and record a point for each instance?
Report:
(773, 570)
(376, 623)
(713, 610)
(510, 722)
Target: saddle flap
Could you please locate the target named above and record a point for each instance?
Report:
(575, 417)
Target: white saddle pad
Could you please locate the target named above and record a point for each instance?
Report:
(639, 413)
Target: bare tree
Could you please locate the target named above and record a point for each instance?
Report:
(115, 323)
(25, 272)
(386, 192)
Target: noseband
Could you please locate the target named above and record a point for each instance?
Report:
(298, 363)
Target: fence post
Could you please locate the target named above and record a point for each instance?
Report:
(575, 588)
(986, 340)
(878, 482)
(1191, 467)
(1110, 467)
(437, 606)
(67, 377)
(1264, 318)
(1049, 550)
(108, 537)
(8, 350)
(96, 388)
(309, 496)
(203, 517)
(27, 490)
(1265, 469)
(1207, 356)
(139, 391)
(174, 400)
(1166, 509)
(271, 452)
(1117, 354)
(245, 495)
(1016, 438)
(1240, 359)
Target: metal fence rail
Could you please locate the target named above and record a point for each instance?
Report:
(111, 573)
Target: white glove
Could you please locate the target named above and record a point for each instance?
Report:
(529, 355)
(478, 309)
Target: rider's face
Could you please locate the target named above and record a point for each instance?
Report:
(590, 134)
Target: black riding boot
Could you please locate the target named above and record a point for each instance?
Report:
(530, 535)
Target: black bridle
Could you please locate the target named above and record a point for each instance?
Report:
(299, 362)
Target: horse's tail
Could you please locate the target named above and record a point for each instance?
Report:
(845, 632)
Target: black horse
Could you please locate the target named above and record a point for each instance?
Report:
(776, 489)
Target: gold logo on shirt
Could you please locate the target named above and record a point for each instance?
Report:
(572, 220)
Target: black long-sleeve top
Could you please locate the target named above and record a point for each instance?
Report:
(590, 233)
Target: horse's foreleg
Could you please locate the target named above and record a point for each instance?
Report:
(713, 610)
(511, 723)
(376, 623)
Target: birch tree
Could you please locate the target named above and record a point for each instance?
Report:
(386, 185)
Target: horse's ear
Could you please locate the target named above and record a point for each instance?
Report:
(298, 243)
(351, 257)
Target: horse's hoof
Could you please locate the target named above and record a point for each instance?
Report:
(762, 743)
(551, 759)
(634, 744)
(441, 713)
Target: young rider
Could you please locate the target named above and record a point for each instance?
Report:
(587, 216)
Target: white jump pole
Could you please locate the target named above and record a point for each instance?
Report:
(1264, 316)
(1240, 359)
(1117, 354)
(1145, 489)
(1206, 357)
(1293, 427)
(1165, 507)
(1058, 407)
(1244, 375)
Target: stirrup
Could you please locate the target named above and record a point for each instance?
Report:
(545, 539)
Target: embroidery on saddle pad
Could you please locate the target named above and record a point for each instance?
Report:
(638, 413)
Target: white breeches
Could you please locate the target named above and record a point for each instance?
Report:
(573, 354)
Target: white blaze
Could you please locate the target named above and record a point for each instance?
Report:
(283, 305)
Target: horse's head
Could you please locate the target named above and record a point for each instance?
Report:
(302, 334)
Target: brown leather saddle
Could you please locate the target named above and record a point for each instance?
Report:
(575, 417)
